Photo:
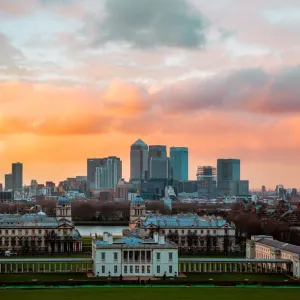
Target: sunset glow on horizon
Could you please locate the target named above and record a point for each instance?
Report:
(85, 79)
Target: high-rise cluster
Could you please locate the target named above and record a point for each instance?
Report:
(153, 163)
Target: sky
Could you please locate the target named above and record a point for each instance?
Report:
(87, 78)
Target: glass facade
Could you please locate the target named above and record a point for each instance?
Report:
(180, 163)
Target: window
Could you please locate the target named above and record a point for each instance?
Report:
(143, 269)
(170, 256)
(103, 255)
(148, 269)
(158, 269)
(103, 269)
(201, 231)
(207, 231)
(13, 231)
(170, 231)
(195, 231)
(20, 232)
(131, 269)
(137, 269)
(115, 269)
(26, 232)
(115, 255)
(158, 256)
(226, 231)
(6, 231)
(32, 231)
(125, 269)
(40, 231)
(215, 231)
(189, 231)
(182, 231)
(170, 269)
(163, 231)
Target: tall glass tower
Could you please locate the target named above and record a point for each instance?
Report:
(138, 161)
(180, 163)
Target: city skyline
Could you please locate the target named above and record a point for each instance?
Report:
(126, 173)
(86, 78)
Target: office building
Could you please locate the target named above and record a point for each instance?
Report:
(111, 163)
(8, 182)
(207, 180)
(17, 174)
(138, 161)
(107, 175)
(1, 187)
(158, 162)
(228, 169)
(122, 190)
(180, 163)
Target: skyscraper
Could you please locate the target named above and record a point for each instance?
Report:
(158, 162)
(228, 169)
(114, 169)
(229, 176)
(17, 176)
(180, 163)
(8, 182)
(138, 161)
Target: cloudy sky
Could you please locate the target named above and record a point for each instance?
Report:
(86, 78)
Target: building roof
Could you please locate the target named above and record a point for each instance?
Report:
(28, 220)
(280, 245)
(140, 143)
(182, 221)
(134, 242)
(63, 201)
(137, 200)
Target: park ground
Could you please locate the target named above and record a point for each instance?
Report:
(152, 293)
(241, 277)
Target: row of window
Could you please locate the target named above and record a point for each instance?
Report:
(158, 255)
(136, 269)
(194, 231)
(33, 231)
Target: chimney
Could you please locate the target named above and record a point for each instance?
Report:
(155, 237)
(105, 236)
(161, 239)
(110, 240)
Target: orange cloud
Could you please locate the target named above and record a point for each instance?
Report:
(53, 130)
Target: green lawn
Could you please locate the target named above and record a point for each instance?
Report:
(236, 277)
(191, 276)
(152, 293)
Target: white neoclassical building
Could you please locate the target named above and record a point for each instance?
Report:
(265, 247)
(131, 256)
(189, 231)
(36, 232)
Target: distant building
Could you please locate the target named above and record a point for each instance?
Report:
(8, 182)
(138, 161)
(122, 190)
(132, 256)
(229, 182)
(17, 174)
(7, 196)
(207, 181)
(158, 162)
(1, 187)
(179, 157)
(113, 169)
(107, 176)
